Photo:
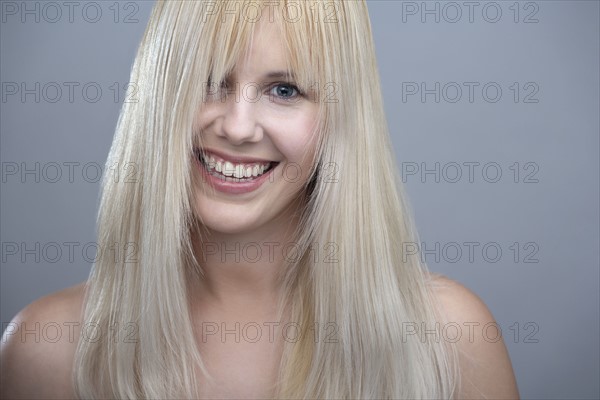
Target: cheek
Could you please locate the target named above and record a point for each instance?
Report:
(297, 140)
(204, 116)
(299, 153)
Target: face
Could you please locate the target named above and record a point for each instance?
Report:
(257, 142)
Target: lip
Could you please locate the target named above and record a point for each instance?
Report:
(229, 187)
(237, 159)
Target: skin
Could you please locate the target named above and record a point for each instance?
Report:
(41, 370)
(242, 291)
(279, 127)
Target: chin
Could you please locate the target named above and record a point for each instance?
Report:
(226, 219)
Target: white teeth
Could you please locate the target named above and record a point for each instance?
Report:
(239, 171)
(228, 169)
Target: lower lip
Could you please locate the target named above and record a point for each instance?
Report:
(222, 185)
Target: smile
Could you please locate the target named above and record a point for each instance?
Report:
(233, 177)
(236, 170)
(220, 167)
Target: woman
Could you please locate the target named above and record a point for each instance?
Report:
(263, 242)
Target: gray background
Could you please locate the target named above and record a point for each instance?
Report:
(545, 296)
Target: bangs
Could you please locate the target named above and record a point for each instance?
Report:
(229, 30)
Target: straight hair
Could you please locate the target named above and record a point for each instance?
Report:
(370, 288)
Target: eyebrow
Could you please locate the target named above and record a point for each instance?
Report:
(280, 74)
(275, 75)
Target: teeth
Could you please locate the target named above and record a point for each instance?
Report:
(227, 169)
(238, 171)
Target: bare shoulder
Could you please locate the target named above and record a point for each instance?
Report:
(485, 367)
(456, 301)
(38, 347)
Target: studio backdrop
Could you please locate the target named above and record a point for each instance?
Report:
(493, 109)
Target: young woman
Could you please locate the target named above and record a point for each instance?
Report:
(264, 239)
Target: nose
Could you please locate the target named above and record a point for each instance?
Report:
(240, 123)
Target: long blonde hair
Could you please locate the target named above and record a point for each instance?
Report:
(355, 205)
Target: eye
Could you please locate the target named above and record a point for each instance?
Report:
(218, 90)
(285, 91)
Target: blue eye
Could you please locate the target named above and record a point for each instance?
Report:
(285, 91)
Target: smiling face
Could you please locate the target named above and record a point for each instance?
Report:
(257, 141)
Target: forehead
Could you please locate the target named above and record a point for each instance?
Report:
(265, 50)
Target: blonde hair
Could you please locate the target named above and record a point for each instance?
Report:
(369, 293)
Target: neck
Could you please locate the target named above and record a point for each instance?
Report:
(244, 271)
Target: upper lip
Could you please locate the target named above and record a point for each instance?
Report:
(238, 159)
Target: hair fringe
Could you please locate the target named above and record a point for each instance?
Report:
(354, 204)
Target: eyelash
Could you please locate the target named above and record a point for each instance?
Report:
(291, 86)
(298, 92)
